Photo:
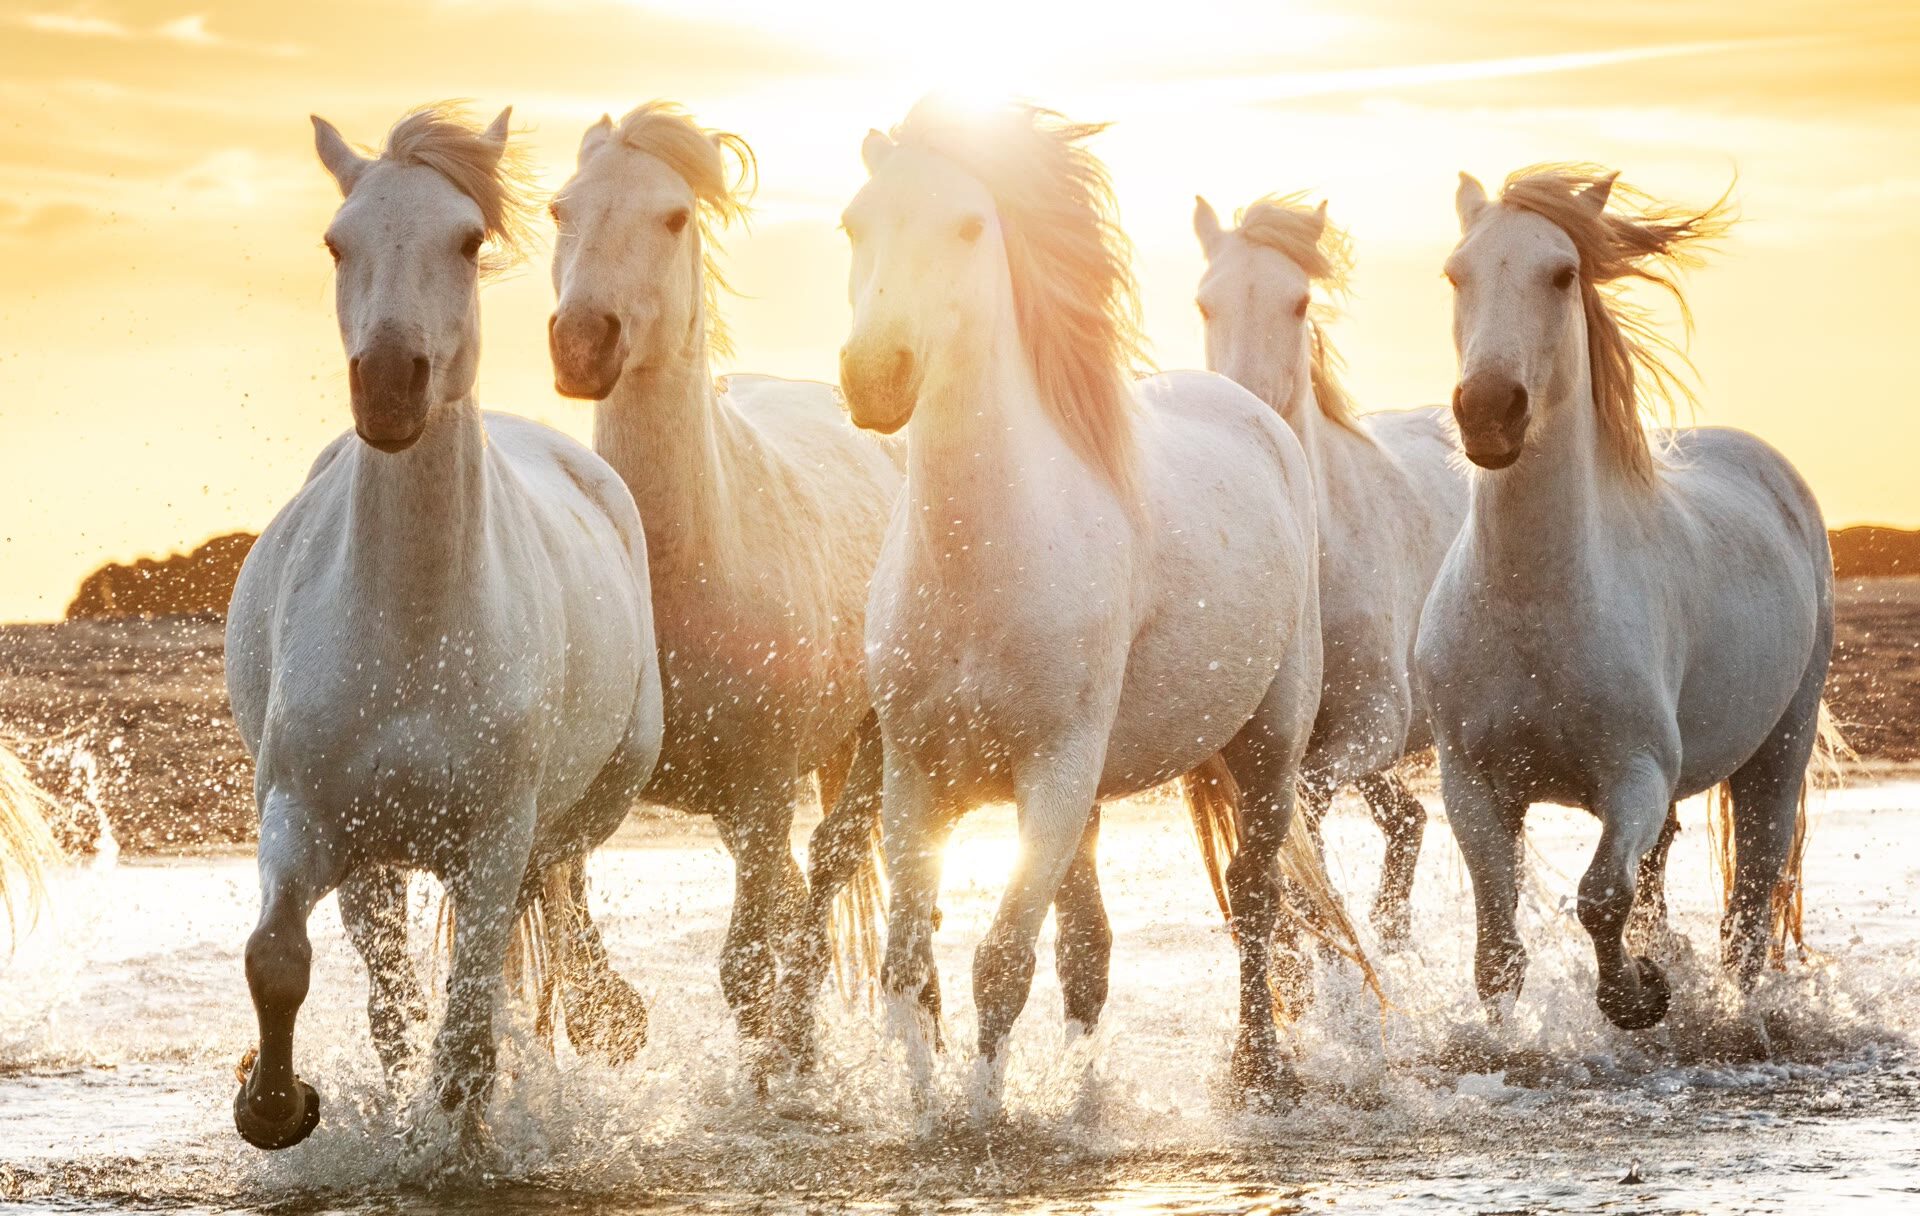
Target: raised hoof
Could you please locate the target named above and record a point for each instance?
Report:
(1639, 1010)
(608, 1021)
(262, 1133)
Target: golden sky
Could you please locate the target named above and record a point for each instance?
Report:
(168, 359)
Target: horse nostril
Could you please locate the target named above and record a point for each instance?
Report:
(902, 366)
(1517, 404)
(422, 373)
(1456, 398)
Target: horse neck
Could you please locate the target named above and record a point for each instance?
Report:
(418, 518)
(980, 437)
(1538, 520)
(668, 434)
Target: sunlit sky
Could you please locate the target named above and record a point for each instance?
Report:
(168, 359)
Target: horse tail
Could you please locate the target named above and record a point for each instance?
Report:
(848, 842)
(853, 928)
(1826, 770)
(27, 845)
(1308, 899)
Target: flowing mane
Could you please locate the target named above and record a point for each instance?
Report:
(444, 138)
(665, 131)
(1286, 225)
(1073, 290)
(1634, 366)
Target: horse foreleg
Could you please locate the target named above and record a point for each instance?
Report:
(1647, 930)
(1633, 811)
(1055, 794)
(486, 897)
(916, 828)
(839, 846)
(1083, 938)
(373, 910)
(1486, 825)
(274, 1108)
(768, 905)
(1292, 958)
(1403, 821)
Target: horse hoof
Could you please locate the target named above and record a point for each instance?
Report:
(272, 1136)
(1261, 1083)
(1643, 1009)
(608, 1021)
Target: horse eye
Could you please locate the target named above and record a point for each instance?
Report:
(1206, 314)
(971, 228)
(333, 249)
(677, 222)
(1563, 278)
(470, 248)
(1300, 309)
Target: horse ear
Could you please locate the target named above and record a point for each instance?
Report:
(496, 132)
(874, 149)
(596, 135)
(1469, 200)
(1206, 224)
(1594, 197)
(337, 155)
(1319, 220)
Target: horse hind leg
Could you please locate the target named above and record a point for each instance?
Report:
(1403, 821)
(1083, 937)
(1633, 811)
(373, 910)
(1768, 797)
(606, 1016)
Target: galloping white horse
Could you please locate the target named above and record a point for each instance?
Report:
(1625, 619)
(1089, 587)
(1389, 501)
(441, 652)
(764, 513)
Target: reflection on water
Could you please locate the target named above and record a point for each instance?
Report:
(121, 1018)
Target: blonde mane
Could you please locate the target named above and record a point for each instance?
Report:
(1073, 290)
(1635, 368)
(1286, 225)
(444, 138)
(668, 133)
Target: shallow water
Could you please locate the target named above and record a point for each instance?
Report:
(122, 1015)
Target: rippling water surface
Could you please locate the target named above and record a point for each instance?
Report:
(122, 1015)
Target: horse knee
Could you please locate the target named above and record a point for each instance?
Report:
(279, 961)
(1605, 901)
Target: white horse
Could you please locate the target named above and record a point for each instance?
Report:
(1389, 499)
(1624, 620)
(1090, 586)
(764, 513)
(440, 653)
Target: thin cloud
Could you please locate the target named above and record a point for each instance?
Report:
(189, 30)
(1280, 88)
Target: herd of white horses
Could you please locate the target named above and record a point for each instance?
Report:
(991, 565)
